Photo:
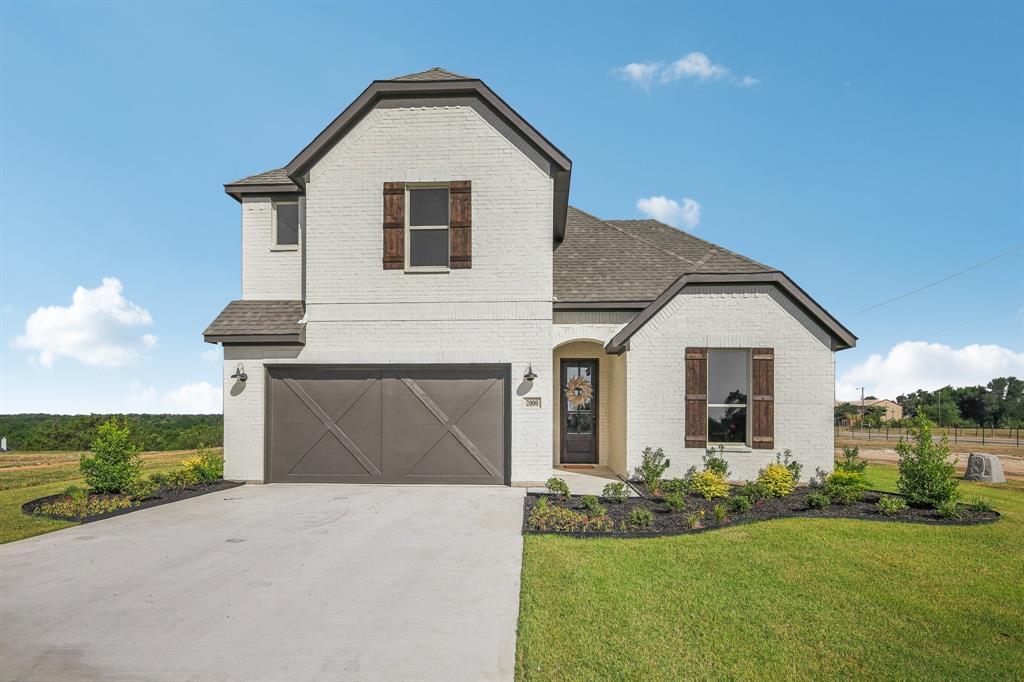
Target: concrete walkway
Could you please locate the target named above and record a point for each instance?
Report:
(296, 582)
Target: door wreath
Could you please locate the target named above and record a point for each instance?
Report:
(578, 391)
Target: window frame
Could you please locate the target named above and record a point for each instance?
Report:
(748, 366)
(410, 187)
(274, 245)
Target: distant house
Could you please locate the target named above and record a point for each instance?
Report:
(893, 410)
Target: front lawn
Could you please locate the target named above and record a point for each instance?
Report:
(794, 598)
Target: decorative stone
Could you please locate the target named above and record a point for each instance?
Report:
(984, 467)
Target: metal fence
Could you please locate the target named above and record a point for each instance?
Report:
(972, 434)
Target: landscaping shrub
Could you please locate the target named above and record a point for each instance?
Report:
(818, 500)
(719, 512)
(600, 524)
(845, 487)
(115, 461)
(675, 485)
(695, 520)
(981, 504)
(709, 484)
(140, 488)
(948, 509)
(890, 504)
(205, 466)
(785, 458)
(851, 461)
(775, 480)
(158, 478)
(652, 466)
(181, 478)
(675, 502)
(714, 460)
(641, 518)
(544, 516)
(926, 473)
(557, 486)
(76, 502)
(592, 506)
(741, 503)
(615, 492)
(752, 490)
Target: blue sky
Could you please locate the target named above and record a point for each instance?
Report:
(881, 148)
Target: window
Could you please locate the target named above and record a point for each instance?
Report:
(286, 224)
(427, 236)
(728, 381)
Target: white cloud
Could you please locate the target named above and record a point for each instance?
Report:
(695, 66)
(210, 355)
(917, 364)
(670, 211)
(96, 329)
(195, 398)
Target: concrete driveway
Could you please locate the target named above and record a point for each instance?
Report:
(277, 582)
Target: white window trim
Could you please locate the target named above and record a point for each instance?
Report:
(274, 246)
(734, 447)
(415, 269)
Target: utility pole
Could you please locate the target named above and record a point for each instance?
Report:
(861, 405)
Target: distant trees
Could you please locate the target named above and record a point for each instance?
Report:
(77, 432)
(999, 404)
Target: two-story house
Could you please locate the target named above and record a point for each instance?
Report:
(421, 304)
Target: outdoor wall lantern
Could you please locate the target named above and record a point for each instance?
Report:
(530, 376)
(240, 373)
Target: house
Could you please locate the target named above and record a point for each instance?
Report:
(890, 410)
(421, 304)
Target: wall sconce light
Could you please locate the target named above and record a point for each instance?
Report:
(240, 373)
(530, 376)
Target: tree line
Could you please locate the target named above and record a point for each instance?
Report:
(77, 432)
(998, 404)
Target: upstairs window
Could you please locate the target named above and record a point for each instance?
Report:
(427, 233)
(728, 390)
(286, 225)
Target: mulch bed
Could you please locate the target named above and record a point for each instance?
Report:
(791, 506)
(161, 496)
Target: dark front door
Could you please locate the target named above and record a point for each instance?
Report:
(579, 411)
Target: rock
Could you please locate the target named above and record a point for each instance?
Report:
(984, 467)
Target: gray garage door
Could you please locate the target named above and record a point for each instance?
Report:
(387, 425)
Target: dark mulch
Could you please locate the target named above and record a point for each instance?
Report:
(161, 496)
(791, 506)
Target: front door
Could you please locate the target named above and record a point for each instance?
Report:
(579, 411)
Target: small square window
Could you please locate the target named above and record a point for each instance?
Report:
(427, 237)
(286, 224)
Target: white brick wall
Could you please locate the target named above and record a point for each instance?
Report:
(804, 380)
(266, 274)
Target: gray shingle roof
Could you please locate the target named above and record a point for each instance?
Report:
(434, 74)
(278, 176)
(258, 319)
(633, 260)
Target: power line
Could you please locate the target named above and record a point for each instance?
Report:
(940, 281)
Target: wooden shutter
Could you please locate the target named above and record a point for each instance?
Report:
(763, 399)
(696, 397)
(394, 225)
(460, 225)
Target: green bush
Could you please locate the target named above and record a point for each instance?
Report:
(714, 460)
(752, 490)
(652, 466)
(675, 502)
(140, 489)
(205, 466)
(818, 500)
(851, 461)
(675, 485)
(592, 506)
(926, 473)
(890, 504)
(550, 517)
(949, 509)
(557, 486)
(599, 524)
(695, 520)
(741, 503)
(77, 503)
(845, 487)
(181, 478)
(785, 458)
(615, 492)
(709, 485)
(981, 504)
(775, 480)
(115, 462)
(158, 478)
(719, 512)
(641, 518)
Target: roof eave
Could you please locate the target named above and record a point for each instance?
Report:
(296, 339)
(237, 191)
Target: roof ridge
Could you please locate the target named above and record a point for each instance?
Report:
(633, 236)
(712, 245)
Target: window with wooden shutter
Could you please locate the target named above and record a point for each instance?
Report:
(763, 398)
(696, 368)
(394, 225)
(460, 222)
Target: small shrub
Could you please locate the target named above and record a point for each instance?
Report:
(675, 485)
(926, 473)
(544, 516)
(181, 478)
(719, 512)
(851, 461)
(115, 460)
(845, 487)
(159, 479)
(818, 500)
(949, 509)
(981, 504)
(140, 489)
(205, 466)
(600, 524)
(714, 460)
(79, 504)
(741, 503)
(785, 458)
(652, 466)
(776, 480)
(592, 506)
(76, 494)
(890, 505)
(695, 520)
(675, 502)
(709, 485)
(641, 518)
(557, 486)
(752, 490)
(615, 492)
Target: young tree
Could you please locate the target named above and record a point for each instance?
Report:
(926, 473)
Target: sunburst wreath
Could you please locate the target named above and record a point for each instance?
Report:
(578, 391)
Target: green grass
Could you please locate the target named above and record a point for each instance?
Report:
(18, 486)
(787, 599)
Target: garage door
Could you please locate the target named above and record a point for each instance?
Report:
(387, 425)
